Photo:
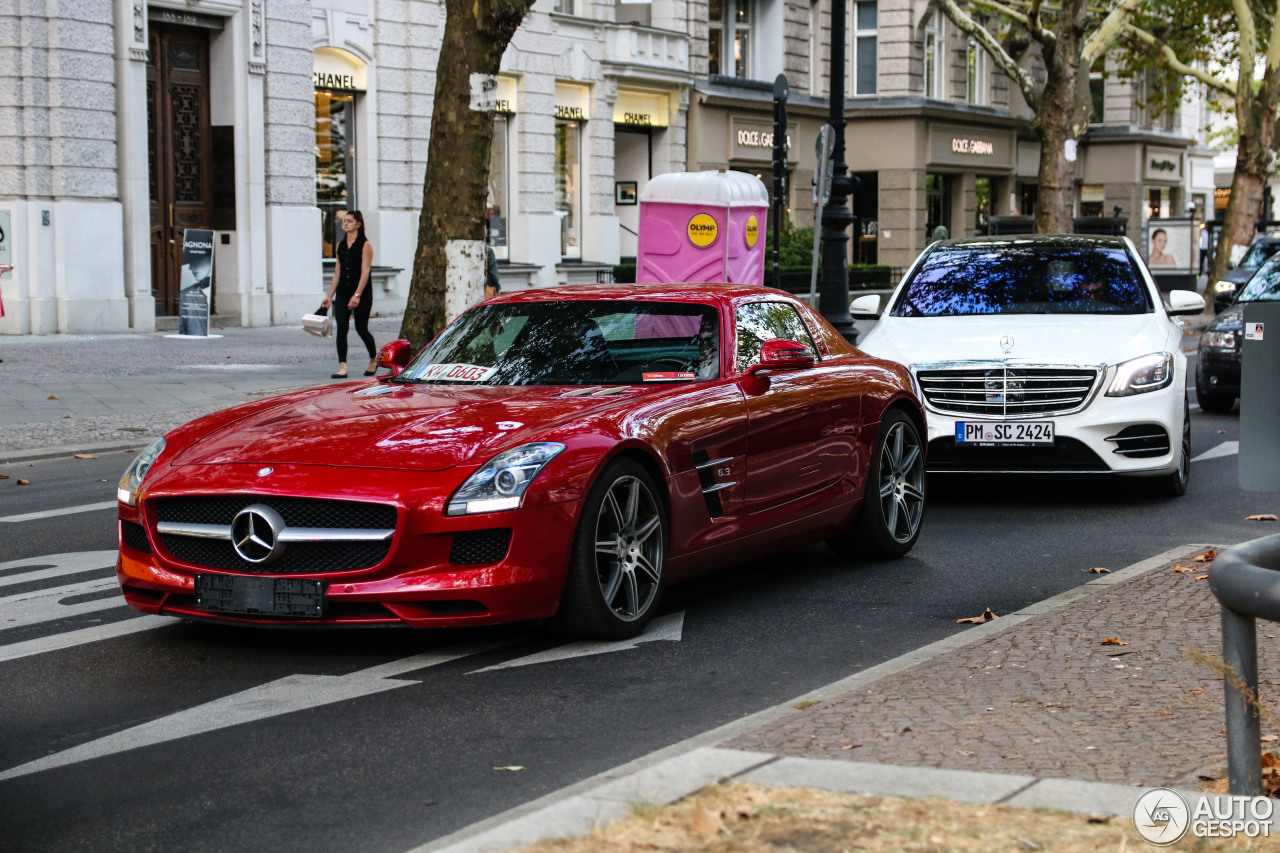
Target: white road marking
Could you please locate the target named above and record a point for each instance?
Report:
(283, 696)
(670, 627)
(51, 513)
(71, 639)
(1227, 448)
(43, 605)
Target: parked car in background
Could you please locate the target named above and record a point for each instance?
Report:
(1260, 250)
(1043, 354)
(1218, 358)
(553, 454)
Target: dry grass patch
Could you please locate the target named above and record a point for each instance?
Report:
(747, 818)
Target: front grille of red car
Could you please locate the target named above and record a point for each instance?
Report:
(298, 557)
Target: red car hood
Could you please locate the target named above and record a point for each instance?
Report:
(423, 428)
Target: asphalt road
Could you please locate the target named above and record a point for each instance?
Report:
(201, 737)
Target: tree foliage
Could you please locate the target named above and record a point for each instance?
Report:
(1233, 48)
(1067, 38)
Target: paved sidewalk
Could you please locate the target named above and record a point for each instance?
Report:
(121, 389)
(1027, 710)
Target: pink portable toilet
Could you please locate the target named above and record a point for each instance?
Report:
(702, 226)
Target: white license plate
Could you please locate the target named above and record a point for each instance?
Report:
(1007, 433)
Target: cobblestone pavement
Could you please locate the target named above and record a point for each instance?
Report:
(1045, 698)
(125, 388)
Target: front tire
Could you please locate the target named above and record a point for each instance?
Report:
(619, 557)
(893, 501)
(1175, 484)
(1214, 402)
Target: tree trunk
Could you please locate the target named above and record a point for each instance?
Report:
(448, 267)
(1055, 197)
(1253, 157)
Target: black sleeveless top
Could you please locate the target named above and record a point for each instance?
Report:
(350, 261)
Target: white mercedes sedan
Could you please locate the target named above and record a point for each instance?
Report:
(1042, 354)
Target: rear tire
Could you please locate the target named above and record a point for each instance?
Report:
(1214, 402)
(892, 510)
(618, 561)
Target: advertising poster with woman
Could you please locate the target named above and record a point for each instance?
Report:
(197, 282)
(1170, 246)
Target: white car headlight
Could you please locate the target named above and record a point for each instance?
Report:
(1140, 375)
(1219, 339)
(501, 482)
(127, 492)
(1225, 287)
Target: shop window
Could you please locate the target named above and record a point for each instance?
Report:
(1093, 200)
(865, 22)
(1098, 94)
(729, 37)
(569, 187)
(935, 85)
(335, 162)
(496, 212)
(937, 204)
(983, 204)
(975, 74)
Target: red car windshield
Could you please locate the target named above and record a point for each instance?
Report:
(574, 343)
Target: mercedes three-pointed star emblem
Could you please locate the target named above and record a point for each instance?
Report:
(1006, 344)
(255, 534)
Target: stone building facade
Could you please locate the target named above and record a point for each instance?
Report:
(123, 122)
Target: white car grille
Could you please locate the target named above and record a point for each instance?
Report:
(1008, 391)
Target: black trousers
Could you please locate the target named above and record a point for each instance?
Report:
(341, 317)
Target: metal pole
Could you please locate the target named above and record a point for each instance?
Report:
(833, 298)
(781, 91)
(1244, 732)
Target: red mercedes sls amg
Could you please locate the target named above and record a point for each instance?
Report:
(554, 454)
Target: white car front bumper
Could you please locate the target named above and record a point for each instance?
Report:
(1085, 441)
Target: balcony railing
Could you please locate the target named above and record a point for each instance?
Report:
(636, 44)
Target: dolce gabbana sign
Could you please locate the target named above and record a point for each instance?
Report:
(752, 139)
(991, 150)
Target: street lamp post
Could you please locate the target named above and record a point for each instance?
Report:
(833, 296)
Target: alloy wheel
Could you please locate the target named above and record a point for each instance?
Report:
(902, 482)
(629, 545)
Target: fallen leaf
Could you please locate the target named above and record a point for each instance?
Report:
(85, 456)
(512, 767)
(851, 746)
(805, 704)
(23, 483)
(987, 616)
(102, 481)
(4, 476)
(1201, 577)
(1207, 557)
(65, 417)
(1112, 641)
(1099, 570)
(1264, 517)
(1268, 738)
(706, 824)
(1222, 786)
(1036, 740)
(1181, 569)
(1222, 432)
(53, 396)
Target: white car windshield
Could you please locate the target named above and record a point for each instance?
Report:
(1033, 277)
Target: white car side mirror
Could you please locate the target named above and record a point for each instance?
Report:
(1185, 302)
(865, 306)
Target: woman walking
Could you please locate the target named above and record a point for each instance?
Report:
(354, 256)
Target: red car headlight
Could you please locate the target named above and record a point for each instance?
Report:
(501, 482)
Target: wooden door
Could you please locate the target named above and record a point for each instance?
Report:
(179, 151)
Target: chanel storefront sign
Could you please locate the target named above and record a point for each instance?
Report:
(332, 68)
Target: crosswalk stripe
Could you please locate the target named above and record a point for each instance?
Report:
(52, 513)
(71, 639)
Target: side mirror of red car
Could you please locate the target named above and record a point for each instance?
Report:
(782, 354)
(395, 355)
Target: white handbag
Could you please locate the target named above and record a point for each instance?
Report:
(320, 324)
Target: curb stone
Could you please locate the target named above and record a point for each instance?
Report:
(579, 808)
